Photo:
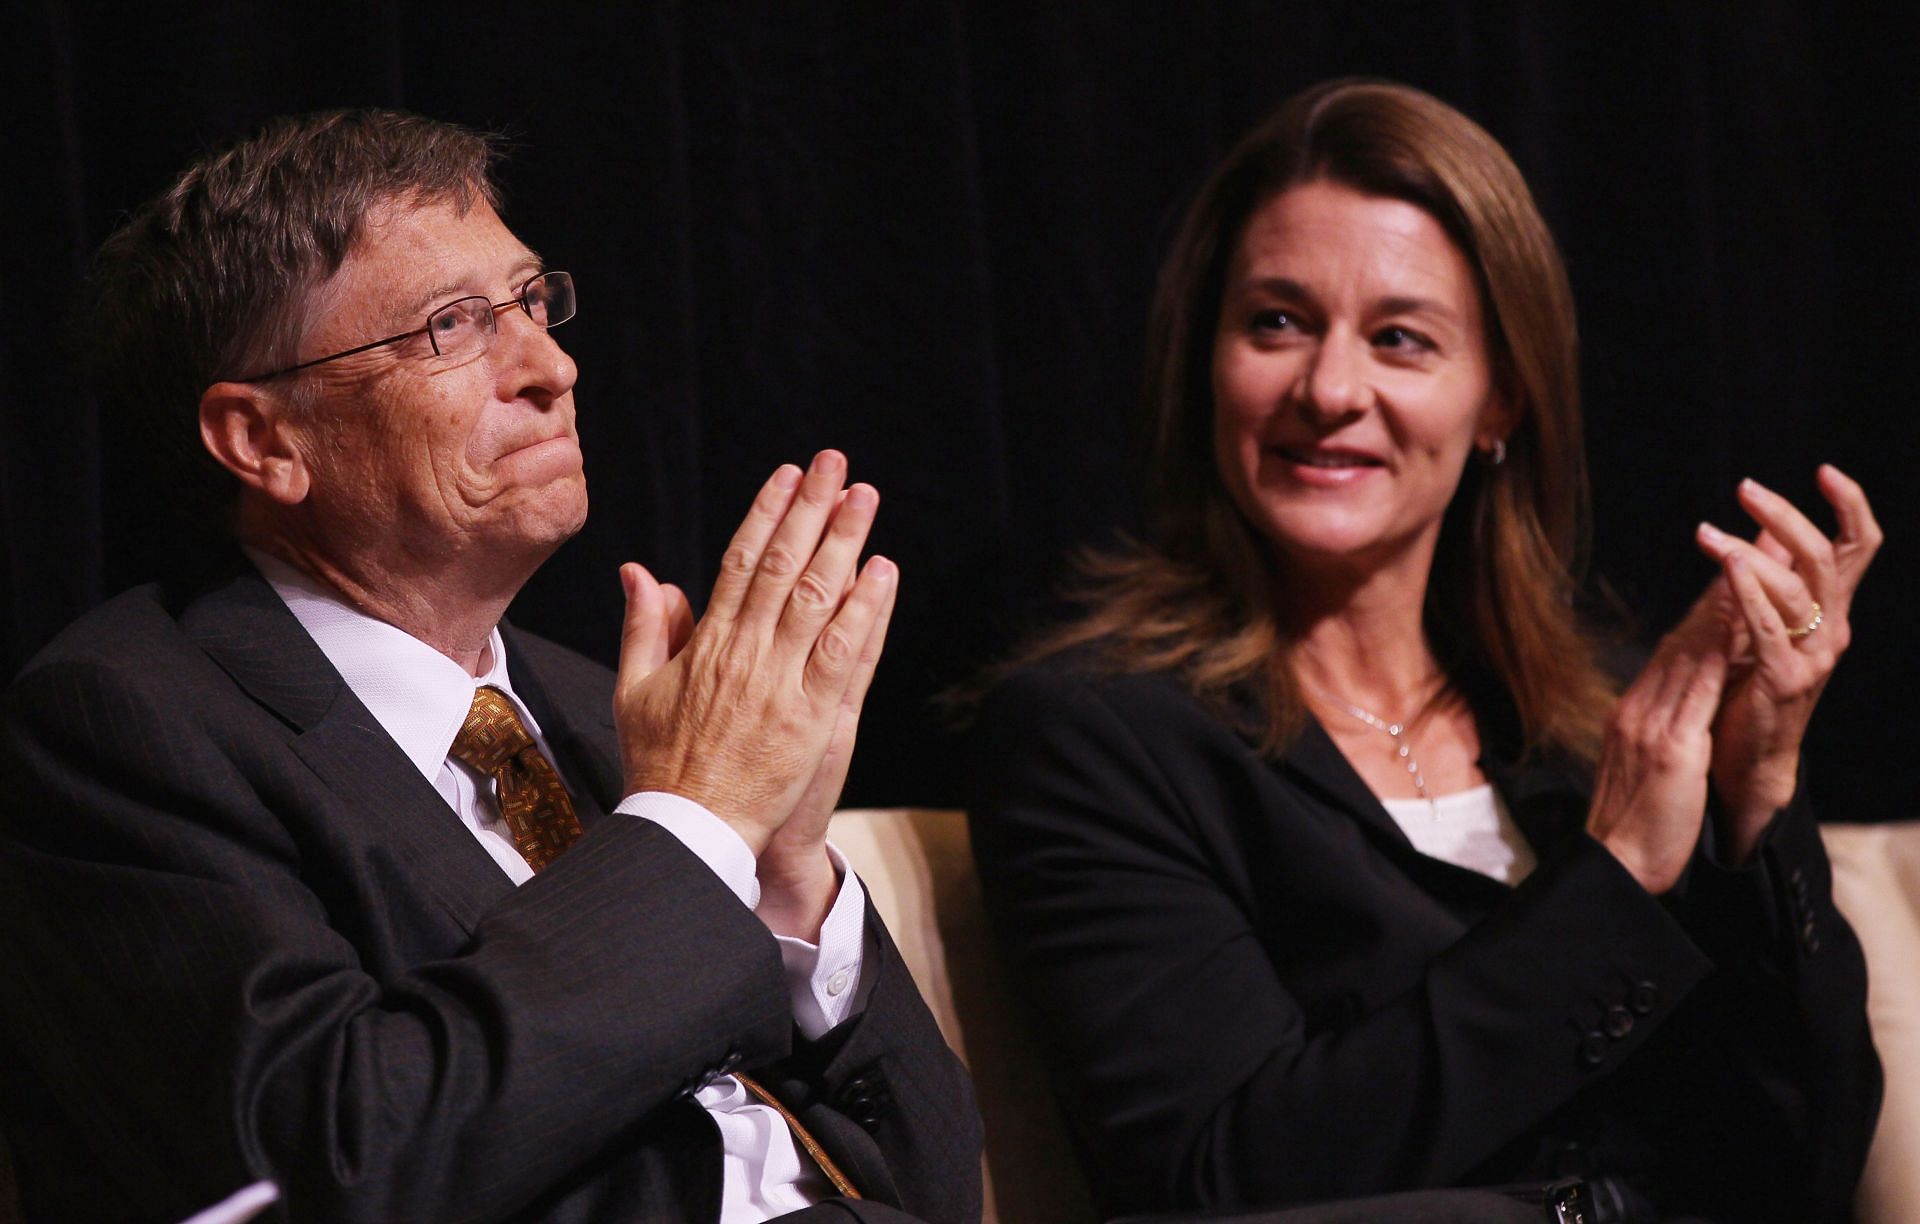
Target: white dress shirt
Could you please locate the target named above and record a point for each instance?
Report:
(420, 697)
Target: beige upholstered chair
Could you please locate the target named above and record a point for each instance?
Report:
(1876, 882)
(917, 867)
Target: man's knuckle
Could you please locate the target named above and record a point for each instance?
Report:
(779, 561)
(810, 594)
(738, 561)
(836, 646)
(732, 669)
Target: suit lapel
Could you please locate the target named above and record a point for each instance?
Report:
(245, 629)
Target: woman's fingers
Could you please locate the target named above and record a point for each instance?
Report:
(1772, 547)
(1700, 694)
(1812, 551)
(1768, 631)
(1860, 534)
(1789, 591)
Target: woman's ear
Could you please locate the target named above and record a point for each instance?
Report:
(246, 428)
(1498, 420)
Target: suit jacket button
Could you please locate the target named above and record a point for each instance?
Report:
(1619, 1022)
(865, 1098)
(1645, 996)
(1593, 1049)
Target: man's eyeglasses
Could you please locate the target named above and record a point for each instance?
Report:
(467, 325)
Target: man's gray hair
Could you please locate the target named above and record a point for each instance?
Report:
(212, 279)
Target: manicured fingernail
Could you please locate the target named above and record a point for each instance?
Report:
(882, 569)
(1712, 535)
(862, 497)
(786, 477)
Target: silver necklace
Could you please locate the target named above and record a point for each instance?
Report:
(1403, 748)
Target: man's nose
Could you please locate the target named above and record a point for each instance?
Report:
(534, 359)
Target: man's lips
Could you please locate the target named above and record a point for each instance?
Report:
(550, 455)
(532, 443)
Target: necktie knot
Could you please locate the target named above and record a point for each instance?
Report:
(533, 800)
(492, 734)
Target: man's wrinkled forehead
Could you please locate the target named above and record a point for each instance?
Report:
(415, 254)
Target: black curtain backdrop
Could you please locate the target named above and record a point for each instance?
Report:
(926, 233)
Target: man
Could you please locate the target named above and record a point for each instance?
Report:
(325, 875)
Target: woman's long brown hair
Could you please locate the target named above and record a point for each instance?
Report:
(1200, 597)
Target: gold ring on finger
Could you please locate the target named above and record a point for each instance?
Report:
(1813, 622)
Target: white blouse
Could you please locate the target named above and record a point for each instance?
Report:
(1469, 828)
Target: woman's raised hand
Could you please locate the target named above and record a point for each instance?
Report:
(1650, 787)
(1728, 693)
(1787, 597)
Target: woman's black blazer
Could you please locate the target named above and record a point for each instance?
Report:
(1256, 991)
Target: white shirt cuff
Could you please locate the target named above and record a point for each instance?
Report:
(825, 979)
(710, 838)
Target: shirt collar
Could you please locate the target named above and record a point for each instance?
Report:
(419, 696)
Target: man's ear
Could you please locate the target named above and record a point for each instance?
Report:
(245, 428)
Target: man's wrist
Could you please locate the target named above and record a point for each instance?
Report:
(797, 891)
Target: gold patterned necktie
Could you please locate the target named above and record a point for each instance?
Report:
(539, 813)
(533, 799)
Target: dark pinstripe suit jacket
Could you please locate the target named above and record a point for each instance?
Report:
(244, 938)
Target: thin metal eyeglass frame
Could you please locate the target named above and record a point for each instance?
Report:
(519, 299)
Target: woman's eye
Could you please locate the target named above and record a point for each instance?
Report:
(1401, 339)
(1273, 320)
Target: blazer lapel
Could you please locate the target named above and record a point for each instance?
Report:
(1317, 764)
(1547, 796)
(245, 628)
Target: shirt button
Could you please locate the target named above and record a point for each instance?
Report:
(837, 983)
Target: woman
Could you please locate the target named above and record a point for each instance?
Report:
(1324, 843)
